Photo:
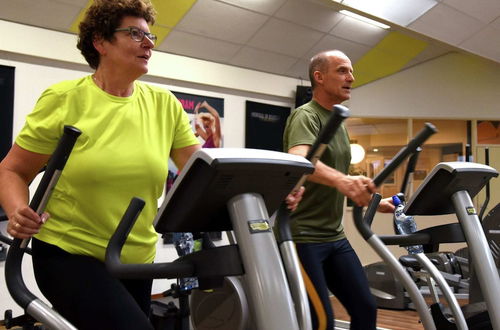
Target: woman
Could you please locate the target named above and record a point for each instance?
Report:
(130, 129)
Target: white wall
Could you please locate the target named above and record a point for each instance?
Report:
(453, 86)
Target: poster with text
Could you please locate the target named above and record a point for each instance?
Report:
(265, 124)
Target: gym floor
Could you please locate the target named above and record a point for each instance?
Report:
(388, 319)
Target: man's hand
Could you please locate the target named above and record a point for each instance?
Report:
(293, 199)
(358, 188)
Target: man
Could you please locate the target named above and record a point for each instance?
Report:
(329, 262)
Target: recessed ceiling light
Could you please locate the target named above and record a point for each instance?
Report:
(397, 11)
(365, 19)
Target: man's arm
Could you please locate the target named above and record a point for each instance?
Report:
(357, 188)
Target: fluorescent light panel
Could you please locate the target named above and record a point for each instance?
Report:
(364, 19)
(401, 12)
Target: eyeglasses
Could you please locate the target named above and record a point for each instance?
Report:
(137, 34)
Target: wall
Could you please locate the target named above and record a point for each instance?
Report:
(453, 86)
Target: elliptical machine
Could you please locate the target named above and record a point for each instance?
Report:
(234, 189)
(447, 189)
(385, 286)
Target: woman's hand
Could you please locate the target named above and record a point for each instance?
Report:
(293, 199)
(25, 222)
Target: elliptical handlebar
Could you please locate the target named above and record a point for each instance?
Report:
(155, 270)
(54, 168)
(410, 168)
(13, 274)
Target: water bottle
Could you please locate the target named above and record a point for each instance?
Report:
(185, 244)
(404, 224)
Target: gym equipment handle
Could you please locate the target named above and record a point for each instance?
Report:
(339, 114)
(155, 270)
(410, 168)
(13, 275)
(54, 168)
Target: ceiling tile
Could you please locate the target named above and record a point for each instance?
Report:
(484, 10)
(446, 24)
(496, 24)
(285, 38)
(360, 32)
(485, 43)
(221, 21)
(183, 43)
(315, 16)
(300, 70)
(354, 50)
(261, 6)
(43, 13)
(80, 3)
(249, 57)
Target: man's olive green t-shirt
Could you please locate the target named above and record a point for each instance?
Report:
(318, 217)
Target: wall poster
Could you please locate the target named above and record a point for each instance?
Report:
(264, 126)
(206, 115)
(6, 108)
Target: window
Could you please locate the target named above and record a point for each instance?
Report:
(382, 138)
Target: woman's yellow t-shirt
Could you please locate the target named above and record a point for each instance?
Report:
(122, 153)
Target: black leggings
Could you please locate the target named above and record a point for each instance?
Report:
(335, 266)
(81, 289)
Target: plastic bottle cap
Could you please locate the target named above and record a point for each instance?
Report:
(395, 200)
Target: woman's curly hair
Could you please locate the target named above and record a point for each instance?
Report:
(101, 20)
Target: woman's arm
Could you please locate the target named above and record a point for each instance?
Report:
(17, 170)
(181, 155)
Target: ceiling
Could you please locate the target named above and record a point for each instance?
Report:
(280, 36)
